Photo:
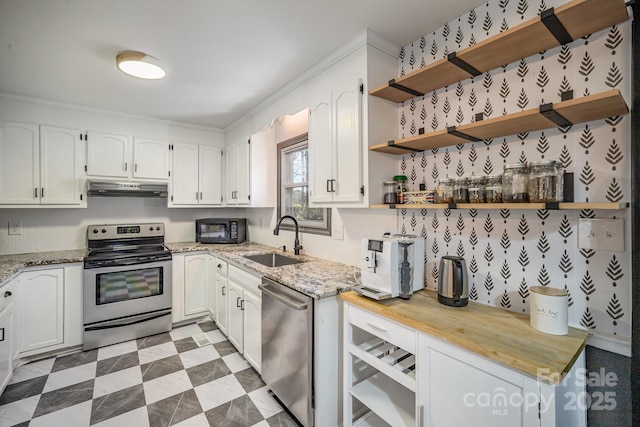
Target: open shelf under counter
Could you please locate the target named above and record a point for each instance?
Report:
(568, 112)
(389, 400)
(553, 27)
(514, 206)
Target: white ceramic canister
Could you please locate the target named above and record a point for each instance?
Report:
(549, 310)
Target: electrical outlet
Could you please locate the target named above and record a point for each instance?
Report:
(337, 231)
(601, 234)
(15, 227)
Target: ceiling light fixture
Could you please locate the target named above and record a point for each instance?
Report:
(141, 65)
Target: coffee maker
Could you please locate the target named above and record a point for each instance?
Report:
(392, 266)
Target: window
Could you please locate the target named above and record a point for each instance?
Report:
(293, 188)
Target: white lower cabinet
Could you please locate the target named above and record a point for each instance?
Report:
(397, 376)
(244, 306)
(191, 277)
(222, 295)
(50, 309)
(8, 333)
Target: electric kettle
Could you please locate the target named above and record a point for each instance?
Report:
(453, 287)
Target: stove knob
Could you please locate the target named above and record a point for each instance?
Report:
(150, 228)
(158, 228)
(95, 231)
(104, 230)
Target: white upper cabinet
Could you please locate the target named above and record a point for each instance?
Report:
(41, 165)
(343, 122)
(238, 163)
(150, 158)
(196, 175)
(108, 155)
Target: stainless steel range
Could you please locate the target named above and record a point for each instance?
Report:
(127, 283)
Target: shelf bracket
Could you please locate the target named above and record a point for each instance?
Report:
(451, 130)
(551, 114)
(555, 27)
(393, 144)
(398, 86)
(552, 206)
(462, 64)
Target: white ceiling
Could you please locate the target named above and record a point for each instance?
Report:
(223, 57)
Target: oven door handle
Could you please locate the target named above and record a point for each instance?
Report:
(119, 325)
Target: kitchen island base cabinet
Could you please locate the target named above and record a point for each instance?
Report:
(398, 376)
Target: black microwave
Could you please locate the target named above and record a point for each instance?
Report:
(221, 230)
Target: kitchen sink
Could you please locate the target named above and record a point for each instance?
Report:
(273, 259)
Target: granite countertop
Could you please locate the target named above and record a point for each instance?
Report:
(11, 264)
(314, 277)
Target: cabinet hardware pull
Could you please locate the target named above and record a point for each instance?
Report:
(219, 265)
(223, 290)
(196, 195)
(7, 294)
(237, 301)
(201, 195)
(333, 190)
(380, 328)
(135, 167)
(42, 192)
(2, 334)
(35, 193)
(328, 187)
(125, 166)
(242, 305)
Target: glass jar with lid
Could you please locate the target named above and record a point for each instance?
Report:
(389, 191)
(401, 187)
(444, 192)
(560, 175)
(515, 180)
(493, 189)
(461, 190)
(544, 182)
(477, 189)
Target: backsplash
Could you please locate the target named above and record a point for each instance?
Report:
(508, 251)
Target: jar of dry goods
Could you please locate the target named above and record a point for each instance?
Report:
(477, 189)
(493, 189)
(389, 191)
(401, 187)
(461, 190)
(515, 183)
(544, 182)
(560, 175)
(444, 192)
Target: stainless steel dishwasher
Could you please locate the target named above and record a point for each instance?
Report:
(287, 348)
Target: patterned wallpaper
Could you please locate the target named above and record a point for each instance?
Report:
(508, 251)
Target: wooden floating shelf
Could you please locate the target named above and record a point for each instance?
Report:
(553, 27)
(514, 206)
(547, 116)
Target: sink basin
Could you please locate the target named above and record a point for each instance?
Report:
(273, 259)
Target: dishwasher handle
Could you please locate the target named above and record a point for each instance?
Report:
(282, 298)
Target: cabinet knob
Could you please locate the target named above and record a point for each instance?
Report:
(7, 294)
(219, 265)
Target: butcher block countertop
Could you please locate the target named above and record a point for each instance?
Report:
(497, 334)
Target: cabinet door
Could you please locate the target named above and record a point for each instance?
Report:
(42, 308)
(62, 176)
(19, 163)
(222, 295)
(235, 326)
(196, 283)
(210, 176)
(150, 158)
(348, 151)
(108, 155)
(253, 329)
(231, 163)
(243, 180)
(184, 179)
(320, 152)
(6, 351)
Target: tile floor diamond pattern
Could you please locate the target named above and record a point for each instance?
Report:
(162, 380)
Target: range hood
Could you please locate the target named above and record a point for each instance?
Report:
(126, 189)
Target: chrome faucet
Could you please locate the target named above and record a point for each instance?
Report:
(296, 242)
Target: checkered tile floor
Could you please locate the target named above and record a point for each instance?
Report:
(162, 380)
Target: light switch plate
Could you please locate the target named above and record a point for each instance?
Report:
(601, 234)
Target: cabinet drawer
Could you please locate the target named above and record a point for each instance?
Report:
(247, 280)
(386, 329)
(221, 267)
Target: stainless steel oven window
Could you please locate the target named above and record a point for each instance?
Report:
(128, 285)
